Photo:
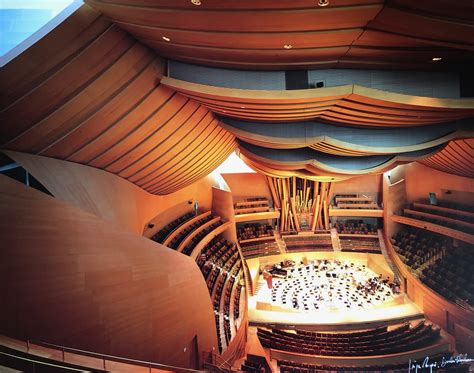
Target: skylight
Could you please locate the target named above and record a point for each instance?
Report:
(234, 165)
(19, 19)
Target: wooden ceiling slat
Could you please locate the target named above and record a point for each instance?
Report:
(196, 135)
(232, 20)
(242, 40)
(115, 109)
(229, 145)
(138, 143)
(351, 104)
(100, 103)
(423, 26)
(248, 34)
(180, 164)
(169, 136)
(241, 4)
(456, 158)
(58, 88)
(88, 100)
(126, 125)
(20, 76)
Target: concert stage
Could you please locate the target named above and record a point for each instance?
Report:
(267, 308)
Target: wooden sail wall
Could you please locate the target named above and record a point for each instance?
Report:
(304, 204)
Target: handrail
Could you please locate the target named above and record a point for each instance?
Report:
(43, 363)
(119, 359)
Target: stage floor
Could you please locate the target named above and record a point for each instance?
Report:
(264, 312)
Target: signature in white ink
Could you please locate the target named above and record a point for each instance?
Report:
(415, 367)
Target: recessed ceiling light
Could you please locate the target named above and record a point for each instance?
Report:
(436, 58)
(196, 2)
(323, 2)
(242, 107)
(165, 38)
(287, 46)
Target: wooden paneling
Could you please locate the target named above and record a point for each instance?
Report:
(421, 180)
(102, 104)
(70, 278)
(456, 158)
(112, 198)
(433, 305)
(252, 35)
(350, 104)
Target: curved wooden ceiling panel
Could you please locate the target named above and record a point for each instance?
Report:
(99, 102)
(253, 34)
(319, 163)
(348, 104)
(349, 141)
(456, 158)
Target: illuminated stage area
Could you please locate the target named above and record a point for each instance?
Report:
(329, 285)
(327, 291)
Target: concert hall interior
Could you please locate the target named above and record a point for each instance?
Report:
(226, 186)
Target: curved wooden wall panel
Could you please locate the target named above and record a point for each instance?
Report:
(350, 104)
(70, 278)
(345, 33)
(456, 158)
(99, 102)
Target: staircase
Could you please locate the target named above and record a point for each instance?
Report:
(280, 242)
(393, 267)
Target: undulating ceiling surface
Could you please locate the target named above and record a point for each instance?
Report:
(456, 158)
(348, 104)
(91, 93)
(266, 34)
(333, 133)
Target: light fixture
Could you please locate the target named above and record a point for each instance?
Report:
(287, 46)
(196, 2)
(165, 38)
(323, 2)
(436, 58)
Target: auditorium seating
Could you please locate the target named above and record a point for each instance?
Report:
(355, 227)
(255, 230)
(164, 232)
(379, 341)
(287, 366)
(254, 250)
(176, 241)
(221, 267)
(257, 240)
(450, 219)
(252, 205)
(369, 245)
(442, 266)
(198, 237)
(316, 242)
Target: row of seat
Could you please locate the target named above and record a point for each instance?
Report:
(251, 205)
(352, 226)
(176, 241)
(321, 242)
(261, 249)
(255, 230)
(198, 237)
(164, 232)
(221, 266)
(445, 268)
(360, 244)
(288, 366)
(439, 221)
(401, 339)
